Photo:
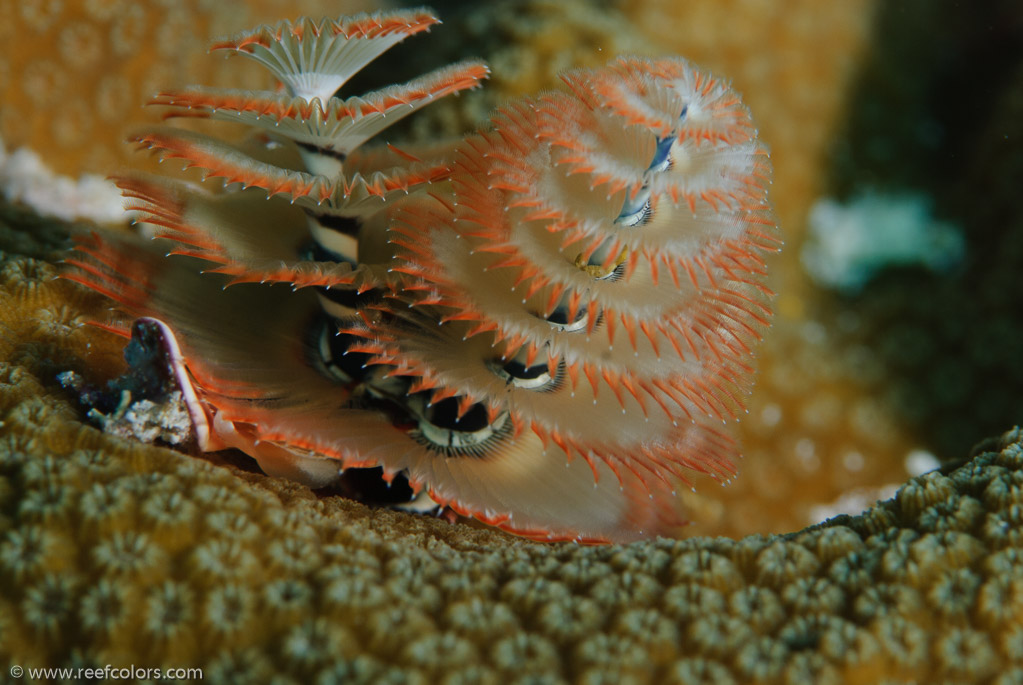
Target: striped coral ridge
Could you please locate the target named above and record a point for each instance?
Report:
(221, 160)
(336, 125)
(365, 26)
(314, 59)
(278, 107)
(249, 241)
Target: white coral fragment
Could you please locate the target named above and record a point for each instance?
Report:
(25, 178)
(148, 421)
(849, 243)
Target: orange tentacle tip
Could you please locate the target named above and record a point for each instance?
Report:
(399, 316)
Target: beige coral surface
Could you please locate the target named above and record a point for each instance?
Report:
(119, 553)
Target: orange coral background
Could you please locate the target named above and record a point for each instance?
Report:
(75, 73)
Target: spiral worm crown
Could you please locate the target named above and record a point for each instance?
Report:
(547, 325)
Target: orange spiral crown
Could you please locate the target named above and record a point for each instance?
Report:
(547, 325)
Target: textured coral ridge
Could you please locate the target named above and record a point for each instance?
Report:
(114, 552)
(544, 326)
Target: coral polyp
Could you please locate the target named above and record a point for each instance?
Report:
(548, 325)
